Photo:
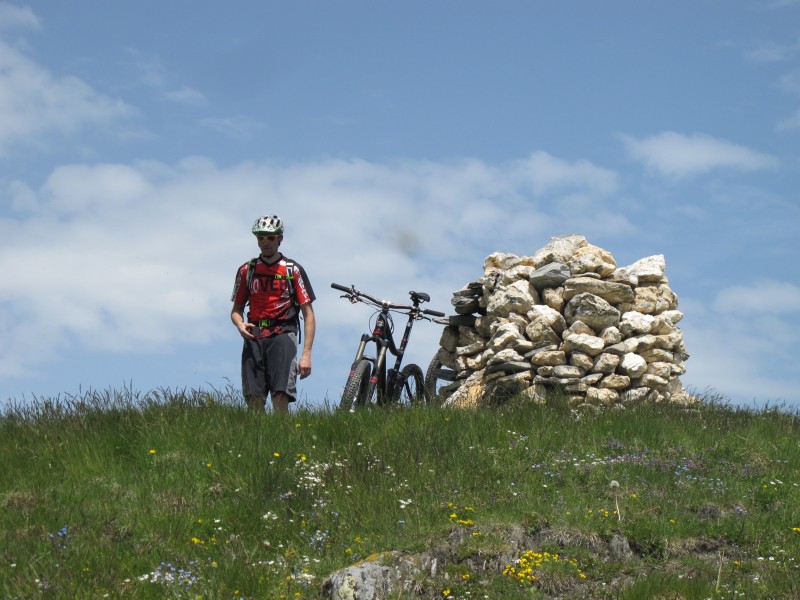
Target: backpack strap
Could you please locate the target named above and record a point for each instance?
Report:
(251, 271)
(291, 268)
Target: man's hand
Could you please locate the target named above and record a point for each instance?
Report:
(305, 365)
(244, 330)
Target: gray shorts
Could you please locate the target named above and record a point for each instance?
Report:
(269, 365)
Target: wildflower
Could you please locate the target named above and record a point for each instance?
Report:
(152, 451)
(446, 593)
(796, 529)
(276, 454)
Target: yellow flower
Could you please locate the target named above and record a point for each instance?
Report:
(152, 451)
(446, 593)
(276, 454)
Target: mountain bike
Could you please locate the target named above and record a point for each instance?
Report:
(370, 382)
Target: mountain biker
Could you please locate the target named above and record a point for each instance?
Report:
(277, 291)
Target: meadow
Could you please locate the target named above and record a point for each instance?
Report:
(185, 494)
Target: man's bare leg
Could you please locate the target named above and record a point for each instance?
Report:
(255, 403)
(280, 403)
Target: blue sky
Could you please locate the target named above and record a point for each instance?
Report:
(401, 143)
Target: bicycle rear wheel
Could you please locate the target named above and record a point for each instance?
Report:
(355, 390)
(409, 389)
(439, 381)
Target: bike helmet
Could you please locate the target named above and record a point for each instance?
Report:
(268, 225)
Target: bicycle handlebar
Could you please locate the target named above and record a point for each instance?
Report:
(352, 291)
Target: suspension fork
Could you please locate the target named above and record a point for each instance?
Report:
(362, 346)
(378, 379)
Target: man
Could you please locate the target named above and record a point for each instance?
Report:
(277, 290)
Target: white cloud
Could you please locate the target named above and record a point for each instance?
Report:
(187, 95)
(149, 68)
(790, 123)
(547, 173)
(770, 52)
(763, 297)
(745, 342)
(35, 104)
(17, 17)
(140, 258)
(750, 360)
(677, 156)
(238, 127)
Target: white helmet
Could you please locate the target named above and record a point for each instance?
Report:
(268, 225)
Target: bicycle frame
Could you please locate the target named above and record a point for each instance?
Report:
(383, 339)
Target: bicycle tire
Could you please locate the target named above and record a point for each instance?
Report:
(409, 389)
(355, 389)
(437, 377)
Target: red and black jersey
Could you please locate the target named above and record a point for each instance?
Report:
(274, 292)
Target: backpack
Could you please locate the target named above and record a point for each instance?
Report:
(291, 267)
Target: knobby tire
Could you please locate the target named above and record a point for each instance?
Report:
(436, 377)
(355, 390)
(409, 390)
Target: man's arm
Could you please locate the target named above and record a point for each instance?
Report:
(237, 318)
(309, 328)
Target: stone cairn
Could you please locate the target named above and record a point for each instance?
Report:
(566, 318)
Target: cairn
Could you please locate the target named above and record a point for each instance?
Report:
(566, 318)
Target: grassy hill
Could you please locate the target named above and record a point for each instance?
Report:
(186, 495)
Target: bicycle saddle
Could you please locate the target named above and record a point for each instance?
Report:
(421, 296)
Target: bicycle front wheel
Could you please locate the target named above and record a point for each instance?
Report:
(410, 388)
(355, 390)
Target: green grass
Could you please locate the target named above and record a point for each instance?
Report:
(185, 494)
